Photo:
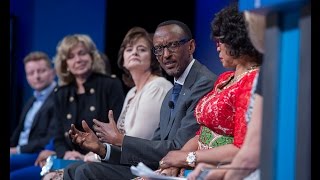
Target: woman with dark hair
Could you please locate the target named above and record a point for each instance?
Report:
(222, 112)
(140, 114)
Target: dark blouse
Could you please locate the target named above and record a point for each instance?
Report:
(102, 93)
(81, 105)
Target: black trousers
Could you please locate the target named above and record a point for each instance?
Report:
(97, 171)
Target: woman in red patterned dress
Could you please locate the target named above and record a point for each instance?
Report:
(222, 112)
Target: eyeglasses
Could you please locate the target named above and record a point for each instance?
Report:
(218, 40)
(171, 46)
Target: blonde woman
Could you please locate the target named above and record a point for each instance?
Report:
(85, 92)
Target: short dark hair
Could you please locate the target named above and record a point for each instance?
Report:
(182, 25)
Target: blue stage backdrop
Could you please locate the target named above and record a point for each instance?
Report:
(206, 49)
(39, 25)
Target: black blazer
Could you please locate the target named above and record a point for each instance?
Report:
(102, 93)
(173, 132)
(42, 128)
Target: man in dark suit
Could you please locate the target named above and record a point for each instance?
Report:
(36, 123)
(174, 48)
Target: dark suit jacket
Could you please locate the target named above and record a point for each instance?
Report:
(42, 128)
(173, 132)
(102, 93)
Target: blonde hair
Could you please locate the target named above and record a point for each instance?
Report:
(63, 50)
(37, 56)
(256, 24)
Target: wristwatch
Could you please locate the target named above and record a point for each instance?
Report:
(191, 159)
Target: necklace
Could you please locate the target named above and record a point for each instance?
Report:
(234, 79)
(253, 67)
(238, 77)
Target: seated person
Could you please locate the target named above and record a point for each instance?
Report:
(32, 171)
(222, 112)
(173, 46)
(36, 125)
(140, 113)
(247, 159)
(85, 91)
(141, 110)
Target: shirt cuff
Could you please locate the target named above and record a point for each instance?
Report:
(108, 152)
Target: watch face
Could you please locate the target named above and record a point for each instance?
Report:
(191, 157)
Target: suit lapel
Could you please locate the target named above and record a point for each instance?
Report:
(192, 76)
(24, 112)
(165, 119)
(36, 118)
(190, 79)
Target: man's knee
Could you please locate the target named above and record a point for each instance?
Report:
(70, 170)
(83, 171)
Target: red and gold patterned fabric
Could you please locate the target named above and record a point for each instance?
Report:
(221, 113)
